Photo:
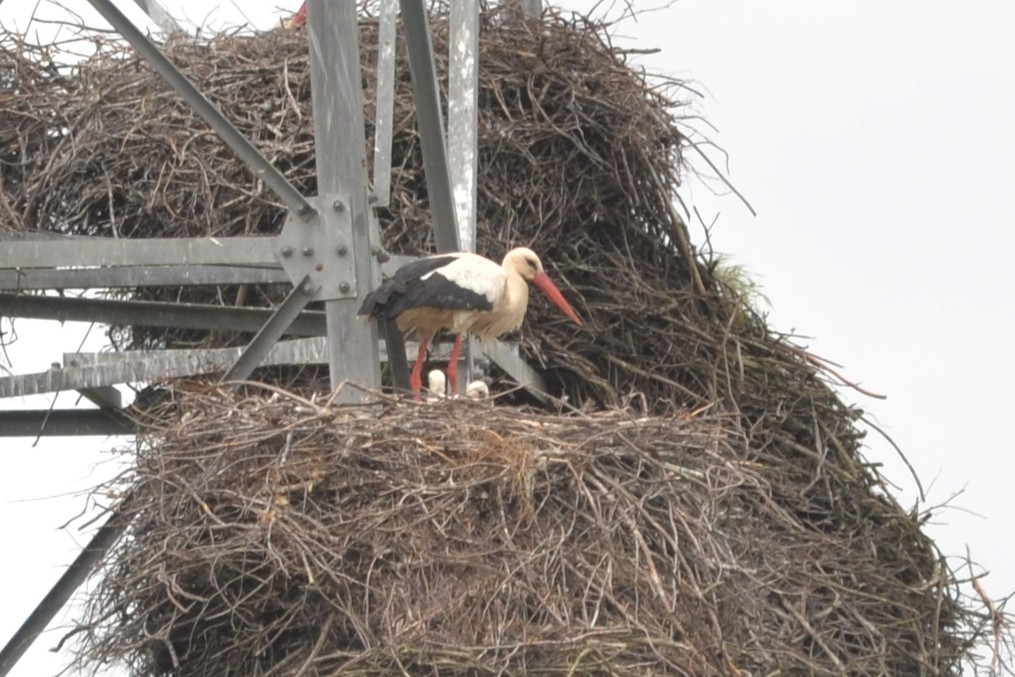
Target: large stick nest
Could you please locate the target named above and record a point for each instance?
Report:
(275, 535)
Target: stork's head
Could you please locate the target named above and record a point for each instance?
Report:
(524, 262)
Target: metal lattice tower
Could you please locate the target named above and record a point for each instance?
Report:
(329, 248)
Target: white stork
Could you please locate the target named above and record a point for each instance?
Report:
(461, 292)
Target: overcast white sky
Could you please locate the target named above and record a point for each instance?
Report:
(875, 140)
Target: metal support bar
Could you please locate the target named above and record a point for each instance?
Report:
(272, 330)
(340, 150)
(394, 342)
(507, 358)
(519, 9)
(153, 314)
(385, 110)
(104, 397)
(64, 422)
(158, 13)
(76, 573)
(431, 124)
(153, 276)
(463, 143)
(104, 251)
(137, 276)
(245, 150)
(95, 370)
(463, 107)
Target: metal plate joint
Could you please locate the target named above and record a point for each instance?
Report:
(321, 248)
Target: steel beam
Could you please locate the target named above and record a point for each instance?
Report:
(153, 314)
(395, 351)
(64, 423)
(105, 397)
(507, 358)
(339, 139)
(157, 12)
(105, 251)
(463, 148)
(84, 370)
(518, 9)
(114, 277)
(431, 123)
(79, 570)
(245, 150)
(463, 108)
(94, 370)
(118, 277)
(384, 113)
(267, 338)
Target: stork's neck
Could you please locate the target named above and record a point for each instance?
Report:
(516, 296)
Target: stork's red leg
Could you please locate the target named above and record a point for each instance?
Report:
(453, 364)
(416, 378)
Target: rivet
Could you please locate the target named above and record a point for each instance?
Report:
(338, 205)
(342, 250)
(319, 267)
(344, 287)
(308, 287)
(287, 251)
(308, 251)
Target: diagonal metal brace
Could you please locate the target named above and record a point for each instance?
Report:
(206, 109)
(302, 294)
(71, 579)
(426, 96)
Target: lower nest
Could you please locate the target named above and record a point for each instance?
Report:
(277, 535)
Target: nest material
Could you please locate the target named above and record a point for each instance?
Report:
(750, 539)
(278, 536)
(579, 156)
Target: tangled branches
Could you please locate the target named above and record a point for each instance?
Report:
(275, 535)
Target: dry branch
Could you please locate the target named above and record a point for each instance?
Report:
(278, 535)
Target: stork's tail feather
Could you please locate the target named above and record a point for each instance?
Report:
(381, 302)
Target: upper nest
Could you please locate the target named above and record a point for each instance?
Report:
(579, 156)
(276, 535)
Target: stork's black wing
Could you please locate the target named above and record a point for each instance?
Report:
(407, 289)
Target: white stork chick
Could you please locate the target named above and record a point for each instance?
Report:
(461, 292)
(477, 390)
(437, 384)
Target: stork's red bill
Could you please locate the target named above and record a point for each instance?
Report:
(458, 293)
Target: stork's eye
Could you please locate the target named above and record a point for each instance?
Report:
(532, 263)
